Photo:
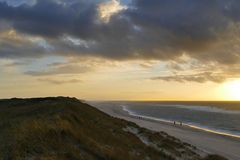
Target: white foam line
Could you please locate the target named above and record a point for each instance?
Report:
(212, 131)
(201, 108)
(184, 124)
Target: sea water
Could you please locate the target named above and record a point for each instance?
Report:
(208, 118)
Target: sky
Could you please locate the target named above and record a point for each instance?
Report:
(120, 49)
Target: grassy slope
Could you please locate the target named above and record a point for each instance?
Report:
(64, 128)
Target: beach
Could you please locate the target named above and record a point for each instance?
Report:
(207, 142)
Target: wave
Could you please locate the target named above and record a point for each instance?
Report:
(203, 128)
(200, 108)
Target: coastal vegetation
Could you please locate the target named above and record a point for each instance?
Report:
(65, 128)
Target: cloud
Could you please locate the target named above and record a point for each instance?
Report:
(154, 29)
(109, 8)
(14, 64)
(14, 45)
(199, 78)
(205, 31)
(61, 69)
(50, 18)
(19, 2)
(60, 82)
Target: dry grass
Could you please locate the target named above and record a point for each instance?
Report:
(66, 129)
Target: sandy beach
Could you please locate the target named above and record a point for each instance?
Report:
(209, 143)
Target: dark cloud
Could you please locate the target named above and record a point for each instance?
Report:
(204, 30)
(49, 18)
(199, 78)
(154, 29)
(18, 2)
(16, 48)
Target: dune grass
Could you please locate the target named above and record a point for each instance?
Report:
(67, 129)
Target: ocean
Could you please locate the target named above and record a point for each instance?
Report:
(208, 116)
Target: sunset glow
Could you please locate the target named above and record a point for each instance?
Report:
(120, 79)
(120, 49)
(231, 90)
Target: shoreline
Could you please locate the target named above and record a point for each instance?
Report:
(148, 118)
(207, 142)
